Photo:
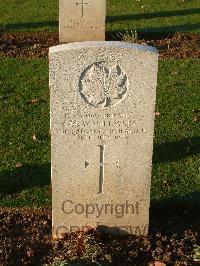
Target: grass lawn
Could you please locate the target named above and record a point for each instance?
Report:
(25, 132)
(140, 15)
(25, 137)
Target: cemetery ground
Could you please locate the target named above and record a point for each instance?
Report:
(25, 176)
(140, 15)
(25, 189)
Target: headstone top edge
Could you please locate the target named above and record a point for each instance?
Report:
(101, 44)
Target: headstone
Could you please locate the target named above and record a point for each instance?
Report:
(82, 20)
(102, 125)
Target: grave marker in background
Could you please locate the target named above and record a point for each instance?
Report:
(102, 125)
(82, 20)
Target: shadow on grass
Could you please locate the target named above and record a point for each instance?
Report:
(174, 28)
(184, 27)
(176, 214)
(174, 151)
(154, 15)
(28, 25)
(29, 176)
(118, 35)
(162, 30)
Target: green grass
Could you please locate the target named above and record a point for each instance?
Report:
(176, 173)
(21, 82)
(154, 15)
(176, 170)
(140, 15)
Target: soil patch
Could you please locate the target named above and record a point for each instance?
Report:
(25, 239)
(36, 45)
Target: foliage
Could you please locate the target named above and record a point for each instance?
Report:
(196, 255)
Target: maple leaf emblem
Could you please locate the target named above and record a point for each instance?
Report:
(102, 85)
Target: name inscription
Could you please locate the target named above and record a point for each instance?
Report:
(84, 23)
(101, 127)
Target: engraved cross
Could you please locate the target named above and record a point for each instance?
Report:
(102, 167)
(82, 4)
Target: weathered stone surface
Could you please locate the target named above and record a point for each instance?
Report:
(82, 20)
(102, 124)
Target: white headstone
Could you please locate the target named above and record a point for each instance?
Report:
(102, 125)
(82, 20)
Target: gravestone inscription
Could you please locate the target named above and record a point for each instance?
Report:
(82, 20)
(102, 125)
